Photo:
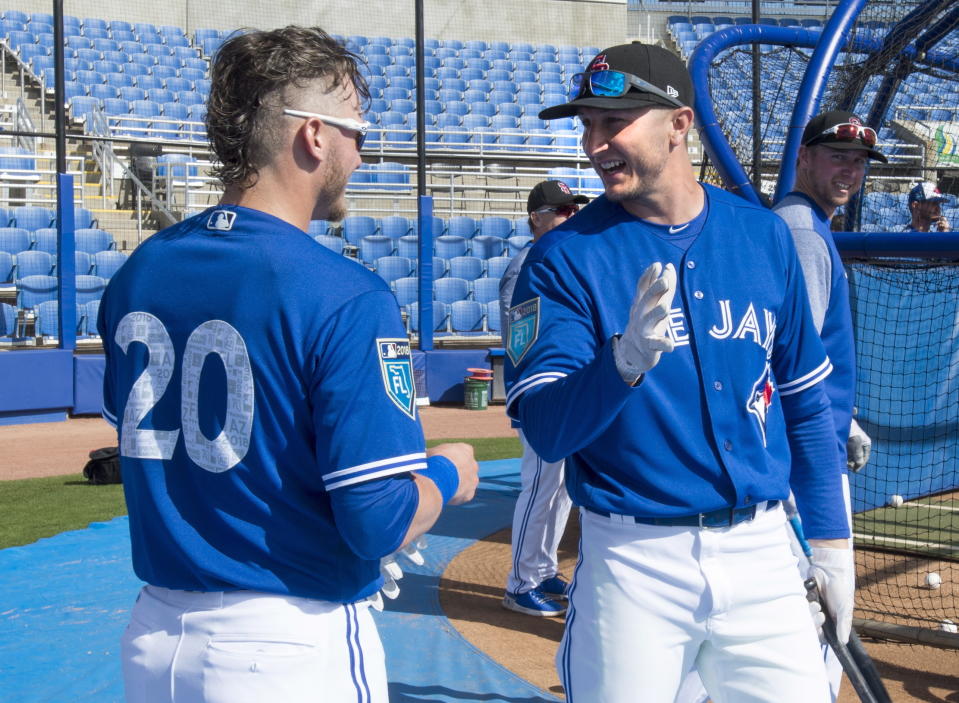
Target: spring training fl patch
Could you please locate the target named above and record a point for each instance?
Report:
(523, 329)
(396, 366)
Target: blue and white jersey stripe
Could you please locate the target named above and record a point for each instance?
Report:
(374, 469)
(536, 379)
(808, 380)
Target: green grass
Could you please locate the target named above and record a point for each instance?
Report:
(42, 507)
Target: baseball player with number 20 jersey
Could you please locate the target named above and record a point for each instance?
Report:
(262, 391)
(662, 342)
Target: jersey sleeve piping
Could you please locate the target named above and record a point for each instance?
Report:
(810, 379)
(109, 417)
(527, 383)
(374, 469)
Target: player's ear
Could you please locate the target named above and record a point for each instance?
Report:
(681, 122)
(309, 139)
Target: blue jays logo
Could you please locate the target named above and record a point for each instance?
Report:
(221, 220)
(760, 399)
(396, 365)
(523, 329)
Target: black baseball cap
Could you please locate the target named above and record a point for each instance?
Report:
(652, 64)
(552, 193)
(815, 133)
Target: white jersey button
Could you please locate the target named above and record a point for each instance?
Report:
(698, 295)
(728, 445)
(718, 385)
(690, 264)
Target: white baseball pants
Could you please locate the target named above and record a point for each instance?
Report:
(539, 519)
(648, 604)
(250, 647)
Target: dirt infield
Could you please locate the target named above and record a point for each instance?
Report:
(472, 585)
(57, 448)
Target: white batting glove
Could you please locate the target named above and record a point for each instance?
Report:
(835, 574)
(645, 339)
(393, 572)
(858, 447)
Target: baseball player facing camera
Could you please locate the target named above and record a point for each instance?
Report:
(533, 585)
(661, 341)
(262, 390)
(925, 209)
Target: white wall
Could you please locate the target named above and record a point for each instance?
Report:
(577, 22)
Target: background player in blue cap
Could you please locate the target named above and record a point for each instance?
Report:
(925, 209)
(662, 342)
(533, 584)
(263, 394)
(835, 149)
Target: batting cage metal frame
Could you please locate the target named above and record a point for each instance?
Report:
(904, 289)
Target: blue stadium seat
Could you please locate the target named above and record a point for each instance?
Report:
(48, 325)
(496, 227)
(493, 320)
(93, 240)
(318, 227)
(462, 226)
(517, 243)
(32, 218)
(89, 288)
(440, 317)
(449, 289)
(395, 226)
(440, 267)
(487, 246)
(82, 263)
(373, 247)
(468, 268)
(103, 91)
(34, 263)
(7, 267)
(408, 246)
(390, 268)
(390, 175)
(467, 316)
(107, 263)
(33, 290)
(496, 266)
(486, 289)
(449, 246)
(356, 227)
(45, 239)
(331, 242)
(406, 290)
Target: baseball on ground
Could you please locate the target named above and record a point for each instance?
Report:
(948, 626)
(933, 580)
(895, 501)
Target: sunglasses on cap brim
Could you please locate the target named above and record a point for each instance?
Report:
(847, 132)
(615, 84)
(563, 210)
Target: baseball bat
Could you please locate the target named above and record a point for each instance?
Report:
(849, 665)
(856, 662)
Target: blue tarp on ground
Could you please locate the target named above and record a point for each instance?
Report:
(64, 602)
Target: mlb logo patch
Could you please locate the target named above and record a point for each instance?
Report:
(523, 329)
(396, 367)
(221, 220)
(563, 187)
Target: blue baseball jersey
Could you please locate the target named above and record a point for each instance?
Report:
(256, 378)
(828, 291)
(735, 415)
